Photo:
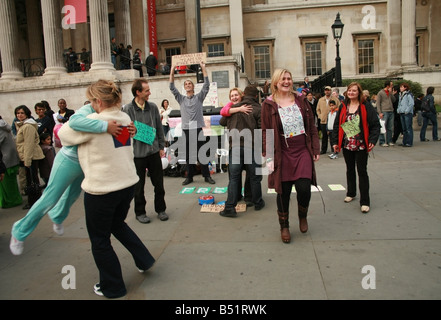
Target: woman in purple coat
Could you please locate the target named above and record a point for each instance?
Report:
(290, 146)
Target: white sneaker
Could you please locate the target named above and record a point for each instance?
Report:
(97, 290)
(334, 156)
(385, 145)
(365, 209)
(16, 246)
(391, 144)
(58, 229)
(348, 199)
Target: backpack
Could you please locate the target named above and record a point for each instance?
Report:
(425, 107)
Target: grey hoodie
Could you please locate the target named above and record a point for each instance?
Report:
(7, 145)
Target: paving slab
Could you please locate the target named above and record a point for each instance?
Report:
(204, 257)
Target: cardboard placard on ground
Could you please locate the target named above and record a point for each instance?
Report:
(242, 207)
(189, 59)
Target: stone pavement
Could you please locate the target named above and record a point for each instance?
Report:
(393, 252)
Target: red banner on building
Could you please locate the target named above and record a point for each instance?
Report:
(76, 11)
(151, 14)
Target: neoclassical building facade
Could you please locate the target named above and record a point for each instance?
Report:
(244, 40)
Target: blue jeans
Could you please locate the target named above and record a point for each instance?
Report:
(432, 117)
(239, 158)
(406, 123)
(388, 118)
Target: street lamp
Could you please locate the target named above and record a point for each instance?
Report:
(337, 31)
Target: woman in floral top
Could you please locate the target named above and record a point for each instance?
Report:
(356, 130)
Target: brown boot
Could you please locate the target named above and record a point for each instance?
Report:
(303, 223)
(284, 226)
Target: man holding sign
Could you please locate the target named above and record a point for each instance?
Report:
(148, 147)
(192, 122)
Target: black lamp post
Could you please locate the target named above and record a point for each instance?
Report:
(337, 31)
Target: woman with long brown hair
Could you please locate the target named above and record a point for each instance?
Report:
(356, 130)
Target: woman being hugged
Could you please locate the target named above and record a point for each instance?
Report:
(356, 130)
(109, 180)
(289, 121)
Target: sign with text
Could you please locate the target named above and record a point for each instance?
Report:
(189, 59)
(144, 133)
(214, 208)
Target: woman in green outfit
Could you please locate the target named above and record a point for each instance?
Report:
(9, 192)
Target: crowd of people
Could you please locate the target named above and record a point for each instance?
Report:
(111, 168)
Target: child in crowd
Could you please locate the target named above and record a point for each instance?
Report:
(331, 118)
(45, 165)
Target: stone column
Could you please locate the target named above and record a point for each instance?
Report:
(99, 29)
(236, 27)
(8, 40)
(35, 35)
(191, 27)
(394, 43)
(408, 27)
(53, 37)
(123, 29)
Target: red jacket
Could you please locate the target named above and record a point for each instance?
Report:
(369, 125)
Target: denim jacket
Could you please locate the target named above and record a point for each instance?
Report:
(406, 102)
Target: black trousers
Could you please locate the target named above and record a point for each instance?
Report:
(325, 137)
(357, 160)
(190, 156)
(153, 164)
(303, 190)
(105, 215)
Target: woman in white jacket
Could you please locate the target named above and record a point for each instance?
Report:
(109, 179)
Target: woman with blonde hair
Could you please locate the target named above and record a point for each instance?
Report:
(109, 184)
(296, 146)
(356, 130)
(64, 185)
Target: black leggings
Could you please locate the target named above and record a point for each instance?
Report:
(303, 190)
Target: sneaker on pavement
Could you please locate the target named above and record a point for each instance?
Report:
(348, 199)
(58, 229)
(16, 246)
(143, 218)
(334, 156)
(385, 145)
(97, 290)
(163, 216)
(391, 144)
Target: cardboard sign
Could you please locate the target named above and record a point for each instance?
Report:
(189, 59)
(213, 208)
